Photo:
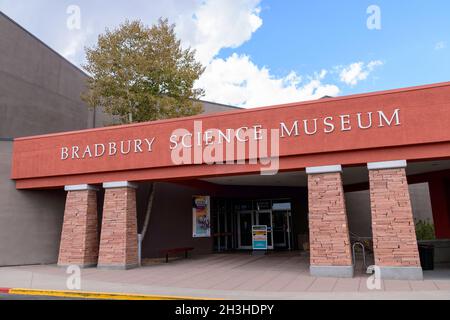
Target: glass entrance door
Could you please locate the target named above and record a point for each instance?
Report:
(245, 224)
(281, 229)
(275, 214)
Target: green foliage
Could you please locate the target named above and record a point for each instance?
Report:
(425, 230)
(141, 73)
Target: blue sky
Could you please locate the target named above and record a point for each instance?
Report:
(264, 52)
(310, 35)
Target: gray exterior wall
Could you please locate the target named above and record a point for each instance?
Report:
(211, 107)
(39, 90)
(170, 223)
(30, 221)
(421, 202)
(359, 215)
(99, 119)
(39, 94)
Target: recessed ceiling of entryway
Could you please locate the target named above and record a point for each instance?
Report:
(352, 175)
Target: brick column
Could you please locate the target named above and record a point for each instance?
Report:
(394, 235)
(118, 239)
(79, 238)
(328, 227)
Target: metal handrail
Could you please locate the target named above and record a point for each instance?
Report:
(363, 253)
(359, 238)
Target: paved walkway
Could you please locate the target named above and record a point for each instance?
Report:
(230, 276)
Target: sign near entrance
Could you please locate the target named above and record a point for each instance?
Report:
(259, 234)
(201, 217)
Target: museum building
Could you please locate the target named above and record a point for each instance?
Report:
(314, 174)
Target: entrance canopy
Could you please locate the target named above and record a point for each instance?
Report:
(409, 124)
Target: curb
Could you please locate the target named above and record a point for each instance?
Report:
(92, 295)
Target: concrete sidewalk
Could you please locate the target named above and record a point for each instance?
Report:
(229, 276)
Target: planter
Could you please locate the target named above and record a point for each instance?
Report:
(426, 253)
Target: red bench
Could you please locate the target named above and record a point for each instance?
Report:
(168, 252)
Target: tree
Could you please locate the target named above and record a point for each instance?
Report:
(141, 73)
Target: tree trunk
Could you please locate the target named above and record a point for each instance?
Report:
(148, 211)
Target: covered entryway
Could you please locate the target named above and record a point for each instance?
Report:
(316, 150)
(232, 221)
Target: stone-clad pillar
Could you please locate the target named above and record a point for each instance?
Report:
(329, 235)
(118, 238)
(79, 238)
(394, 236)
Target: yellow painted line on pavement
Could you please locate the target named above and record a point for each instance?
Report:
(97, 295)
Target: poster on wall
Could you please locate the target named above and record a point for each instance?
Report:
(201, 217)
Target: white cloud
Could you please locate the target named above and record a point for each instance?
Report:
(71, 48)
(238, 81)
(440, 45)
(206, 25)
(218, 24)
(358, 71)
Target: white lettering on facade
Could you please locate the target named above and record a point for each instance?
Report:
(345, 123)
(308, 132)
(112, 148)
(64, 153)
(150, 143)
(137, 146)
(329, 126)
(122, 147)
(99, 153)
(189, 146)
(75, 150)
(87, 152)
(109, 149)
(360, 122)
(395, 117)
(285, 131)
